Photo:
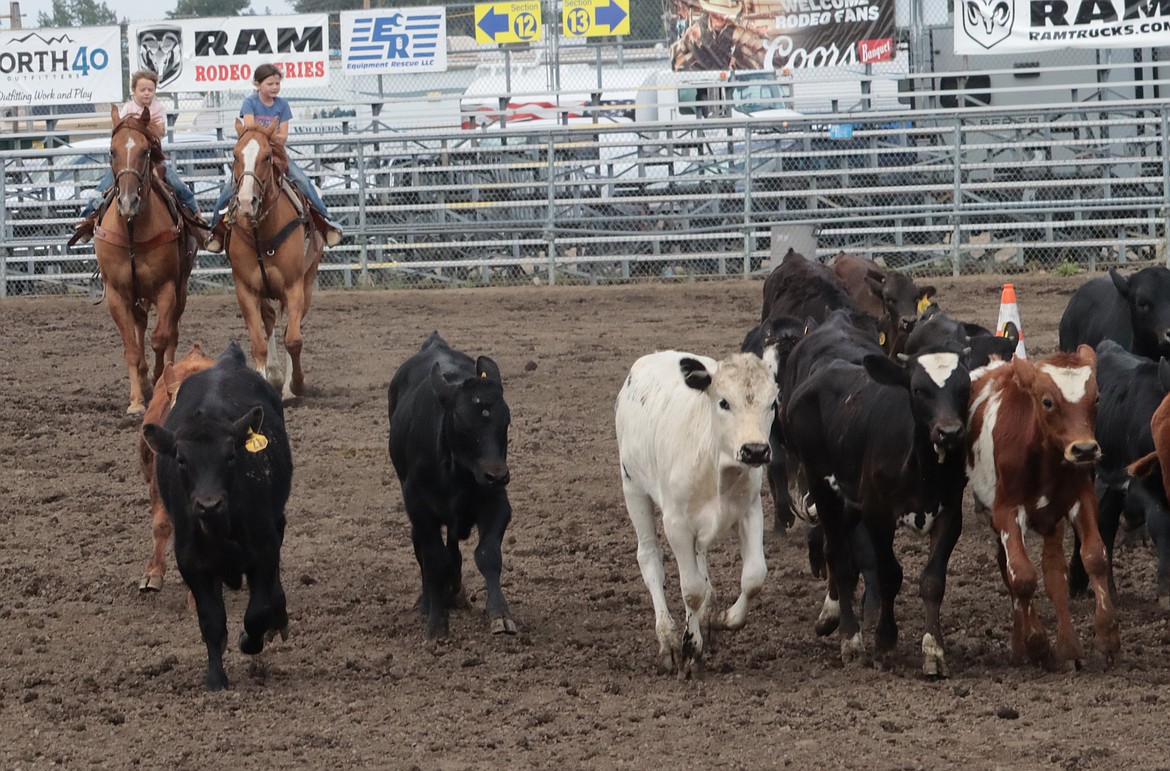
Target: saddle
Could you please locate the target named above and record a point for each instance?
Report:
(307, 216)
(190, 222)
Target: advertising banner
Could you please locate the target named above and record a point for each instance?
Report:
(781, 34)
(1009, 26)
(394, 40)
(221, 54)
(60, 66)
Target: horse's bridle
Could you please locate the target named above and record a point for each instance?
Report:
(143, 175)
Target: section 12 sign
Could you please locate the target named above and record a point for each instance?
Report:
(517, 22)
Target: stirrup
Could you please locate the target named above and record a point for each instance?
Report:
(215, 239)
(333, 235)
(82, 232)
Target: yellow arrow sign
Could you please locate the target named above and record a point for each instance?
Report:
(592, 18)
(517, 22)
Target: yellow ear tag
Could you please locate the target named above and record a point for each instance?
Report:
(923, 304)
(255, 442)
(483, 375)
(881, 338)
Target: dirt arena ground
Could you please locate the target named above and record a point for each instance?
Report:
(96, 675)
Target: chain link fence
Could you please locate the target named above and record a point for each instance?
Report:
(594, 163)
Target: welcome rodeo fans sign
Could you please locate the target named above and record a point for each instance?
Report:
(778, 34)
(220, 54)
(60, 66)
(1007, 26)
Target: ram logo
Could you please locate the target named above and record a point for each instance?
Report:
(988, 22)
(160, 50)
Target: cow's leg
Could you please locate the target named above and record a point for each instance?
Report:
(755, 568)
(208, 594)
(1106, 637)
(842, 569)
(695, 592)
(161, 531)
(435, 564)
(1068, 647)
(1029, 639)
(933, 584)
(266, 615)
(641, 511)
(294, 341)
(123, 313)
(488, 559)
(1158, 526)
(1112, 502)
(455, 594)
(866, 560)
(888, 584)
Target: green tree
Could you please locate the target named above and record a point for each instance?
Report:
(77, 13)
(332, 6)
(194, 9)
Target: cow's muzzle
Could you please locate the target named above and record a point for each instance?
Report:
(755, 454)
(907, 322)
(1082, 453)
(494, 474)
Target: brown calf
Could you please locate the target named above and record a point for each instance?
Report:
(1031, 465)
(891, 298)
(165, 391)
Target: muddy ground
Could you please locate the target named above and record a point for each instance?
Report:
(96, 675)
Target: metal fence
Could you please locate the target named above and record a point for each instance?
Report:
(940, 192)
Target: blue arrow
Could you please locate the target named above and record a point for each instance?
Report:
(493, 23)
(610, 15)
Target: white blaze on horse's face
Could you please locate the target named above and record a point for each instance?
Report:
(128, 202)
(247, 190)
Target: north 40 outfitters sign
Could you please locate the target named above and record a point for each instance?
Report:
(1007, 26)
(222, 54)
(60, 66)
(781, 34)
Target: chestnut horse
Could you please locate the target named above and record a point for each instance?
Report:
(145, 252)
(274, 250)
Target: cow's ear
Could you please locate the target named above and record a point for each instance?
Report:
(248, 424)
(695, 375)
(1024, 372)
(874, 283)
(885, 371)
(1164, 373)
(1120, 281)
(1086, 352)
(1011, 332)
(487, 369)
(442, 387)
(170, 380)
(160, 440)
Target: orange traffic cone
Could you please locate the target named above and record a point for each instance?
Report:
(1008, 312)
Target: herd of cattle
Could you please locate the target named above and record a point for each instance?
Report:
(864, 405)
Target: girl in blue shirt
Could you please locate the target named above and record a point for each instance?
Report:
(260, 109)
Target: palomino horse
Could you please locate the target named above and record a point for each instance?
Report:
(274, 251)
(145, 252)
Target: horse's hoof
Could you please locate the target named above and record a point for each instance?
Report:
(136, 409)
(150, 584)
(503, 626)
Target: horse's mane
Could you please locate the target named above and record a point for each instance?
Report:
(279, 154)
(134, 121)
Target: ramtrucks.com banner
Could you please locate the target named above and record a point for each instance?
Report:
(221, 54)
(394, 40)
(60, 66)
(781, 34)
(1008, 26)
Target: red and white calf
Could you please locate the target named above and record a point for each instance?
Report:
(1031, 464)
(693, 440)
